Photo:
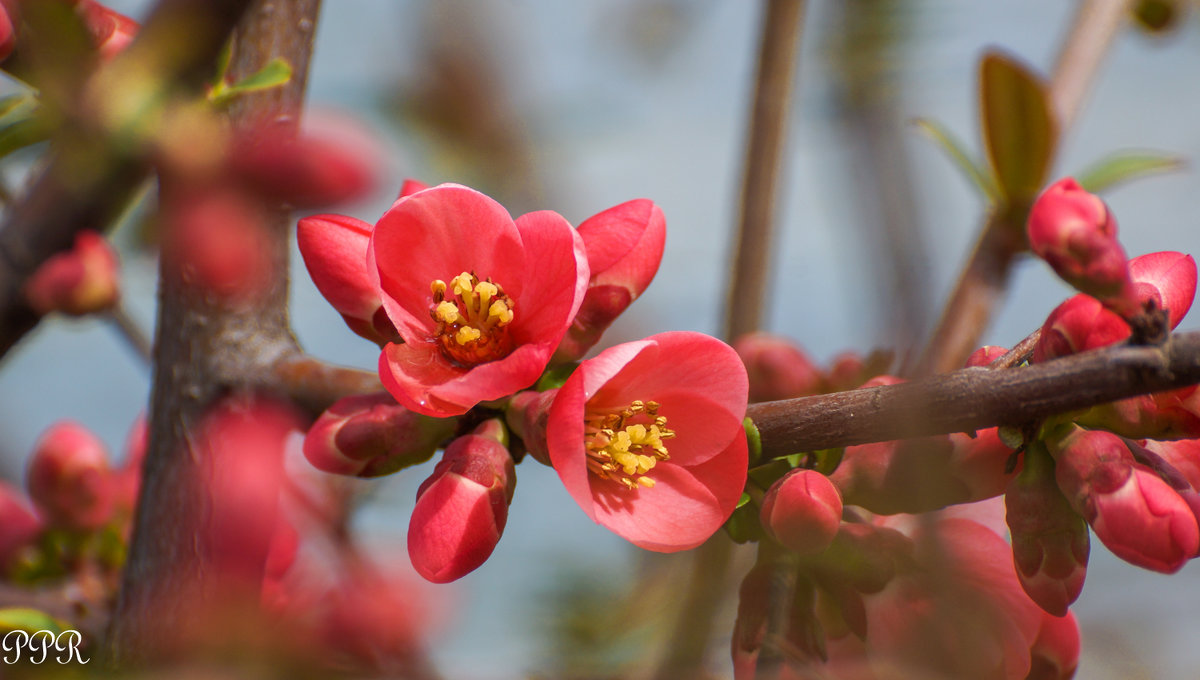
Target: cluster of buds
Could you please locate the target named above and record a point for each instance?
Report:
(471, 308)
(110, 32)
(780, 369)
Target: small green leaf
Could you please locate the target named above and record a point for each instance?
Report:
(1020, 132)
(828, 460)
(743, 525)
(1125, 166)
(953, 148)
(555, 377)
(23, 133)
(753, 440)
(745, 498)
(29, 620)
(276, 73)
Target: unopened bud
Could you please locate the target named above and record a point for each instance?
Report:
(69, 480)
(1167, 278)
(527, 414)
(461, 509)
(111, 31)
(1079, 324)
(1055, 653)
(83, 280)
(18, 525)
(777, 368)
(370, 435)
(802, 510)
(985, 355)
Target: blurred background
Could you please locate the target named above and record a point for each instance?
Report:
(576, 107)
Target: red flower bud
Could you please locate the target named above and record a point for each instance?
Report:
(1049, 540)
(18, 525)
(1055, 653)
(802, 510)
(111, 31)
(1137, 515)
(1168, 278)
(528, 414)
(79, 281)
(624, 248)
(777, 368)
(985, 355)
(461, 509)
(1081, 323)
(1074, 232)
(69, 480)
(371, 435)
(1183, 455)
(8, 35)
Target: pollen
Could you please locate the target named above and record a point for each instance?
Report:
(472, 318)
(625, 446)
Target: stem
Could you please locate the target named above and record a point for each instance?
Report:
(315, 385)
(131, 331)
(1020, 353)
(974, 398)
(781, 28)
(206, 350)
(1096, 24)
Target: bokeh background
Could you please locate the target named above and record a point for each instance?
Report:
(577, 106)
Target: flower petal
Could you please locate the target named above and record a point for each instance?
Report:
(556, 285)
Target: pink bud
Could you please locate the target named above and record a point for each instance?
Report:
(528, 414)
(624, 248)
(1055, 653)
(8, 35)
(802, 510)
(1074, 232)
(985, 355)
(79, 281)
(1183, 455)
(1137, 515)
(1049, 540)
(371, 435)
(1168, 278)
(111, 31)
(333, 163)
(18, 525)
(410, 187)
(1079, 324)
(777, 368)
(847, 371)
(461, 509)
(69, 480)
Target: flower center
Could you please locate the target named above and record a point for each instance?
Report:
(625, 446)
(473, 318)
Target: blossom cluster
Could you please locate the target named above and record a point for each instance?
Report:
(482, 321)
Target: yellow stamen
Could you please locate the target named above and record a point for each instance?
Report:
(471, 317)
(626, 445)
(446, 312)
(466, 334)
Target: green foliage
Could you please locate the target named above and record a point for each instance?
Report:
(1125, 166)
(1019, 129)
(947, 142)
(276, 73)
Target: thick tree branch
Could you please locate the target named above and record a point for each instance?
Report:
(91, 177)
(315, 385)
(975, 398)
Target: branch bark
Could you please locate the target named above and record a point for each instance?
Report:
(975, 398)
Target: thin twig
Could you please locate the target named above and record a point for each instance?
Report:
(1096, 24)
(974, 398)
(132, 332)
(315, 385)
(1018, 354)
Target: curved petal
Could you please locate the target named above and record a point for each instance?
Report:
(334, 248)
(697, 363)
(554, 288)
(409, 370)
(437, 234)
(494, 379)
(702, 426)
(564, 439)
(625, 244)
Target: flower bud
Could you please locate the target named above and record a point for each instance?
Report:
(111, 31)
(69, 480)
(370, 435)
(1137, 515)
(802, 510)
(1079, 324)
(624, 248)
(1049, 540)
(847, 371)
(1167, 278)
(80, 281)
(1074, 232)
(461, 509)
(528, 414)
(18, 525)
(409, 187)
(1055, 653)
(985, 355)
(1181, 454)
(8, 34)
(802, 633)
(777, 368)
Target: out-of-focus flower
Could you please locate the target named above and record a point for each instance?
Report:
(648, 438)
(1074, 232)
(111, 31)
(1049, 540)
(1137, 515)
(69, 480)
(802, 635)
(777, 368)
(83, 280)
(371, 435)
(624, 248)
(1055, 653)
(463, 506)
(8, 34)
(481, 301)
(985, 355)
(18, 525)
(802, 510)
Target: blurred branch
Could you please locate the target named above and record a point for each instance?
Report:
(781, 26)
(974, 398)
(315, 385)
(984, 280)
(90, 177)
(132, 332)
(207, 349)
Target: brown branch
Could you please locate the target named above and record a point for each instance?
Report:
(206, 349)
(781, 28)
(315, 385)
(1096, 24)
(975, 398)
(90, 178)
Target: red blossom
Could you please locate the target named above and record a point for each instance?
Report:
(370, 435)
(480, 300)
(18, 525)
(82, 280)
(69, 478)
(803, 510)
(648, 439)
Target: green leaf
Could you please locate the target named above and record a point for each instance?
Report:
(23, 133)
(29, 620)
(753, 440)
(555, 376)
(743, 525)
(954, 150)
(1020, 132)
(1125, 166)
(277, 72)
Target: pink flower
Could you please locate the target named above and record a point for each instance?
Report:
(18, 525)
(803, 510)
(648, 438)
(481, 301)
(69, 479)
(79, 281)
(111, 31)
(1136, 514)
(462, 508)
(370, 435)
(1074, 232)
(778, 369)
(334, 248)
(1055, 653)
(624, 248)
